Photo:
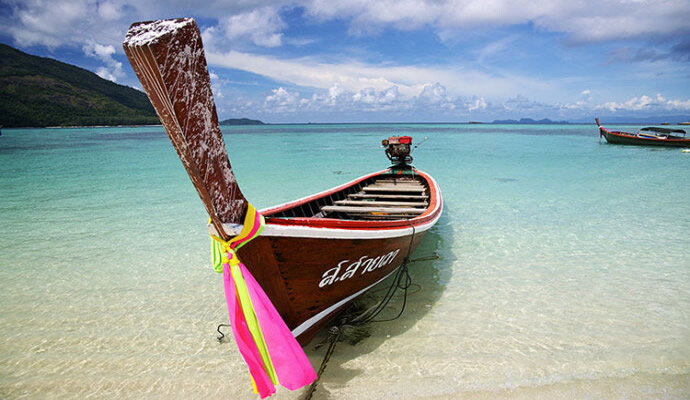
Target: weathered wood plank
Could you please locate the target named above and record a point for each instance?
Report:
(401, 183)
(377, 203)
(393, 189)
(393, 185)
(382, 210)
(386, 196)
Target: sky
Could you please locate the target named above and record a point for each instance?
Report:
(396, 60)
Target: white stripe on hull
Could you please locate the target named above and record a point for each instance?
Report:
(330, 233)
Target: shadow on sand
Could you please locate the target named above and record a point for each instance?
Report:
(429, 279)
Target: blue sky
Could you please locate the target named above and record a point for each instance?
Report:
(396, 60)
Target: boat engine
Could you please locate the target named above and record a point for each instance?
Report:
(398, 150)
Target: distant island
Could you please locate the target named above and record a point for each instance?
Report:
(529, 121)
(241, 121)
(38, 92)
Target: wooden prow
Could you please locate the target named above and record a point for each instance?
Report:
(601, 130)
(168, 58)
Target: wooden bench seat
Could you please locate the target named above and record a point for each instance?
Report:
(398, 183)
(377, 210)
(387, 196)
(406, 189)
(380, 203)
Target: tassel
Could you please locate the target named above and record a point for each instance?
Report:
(267, 345)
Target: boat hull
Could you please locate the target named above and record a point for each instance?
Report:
(310, 280)
(631, 139)
(312, 268)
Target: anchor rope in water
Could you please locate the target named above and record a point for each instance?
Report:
(402, 273)
(336, 332)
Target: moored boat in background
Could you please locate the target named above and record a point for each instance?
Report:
(650, 136)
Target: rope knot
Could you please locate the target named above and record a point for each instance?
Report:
(230, 256)
(224, 252)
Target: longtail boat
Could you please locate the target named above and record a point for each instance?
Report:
(650, 136)
(314, 255)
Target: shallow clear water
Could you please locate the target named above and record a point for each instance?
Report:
(564, 268)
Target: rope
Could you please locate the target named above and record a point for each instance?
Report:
(402, 280)
(398, 283)
(222, 335)
(336, 333)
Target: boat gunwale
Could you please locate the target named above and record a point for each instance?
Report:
(432, 211)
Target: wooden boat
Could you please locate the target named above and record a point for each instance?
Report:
(650, 136)
(316, 254)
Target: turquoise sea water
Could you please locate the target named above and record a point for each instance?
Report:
(563, 268)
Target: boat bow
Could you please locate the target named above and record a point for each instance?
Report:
(168, 58)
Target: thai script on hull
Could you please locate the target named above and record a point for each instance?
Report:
(364, 264)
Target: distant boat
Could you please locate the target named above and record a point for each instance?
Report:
(650, 136)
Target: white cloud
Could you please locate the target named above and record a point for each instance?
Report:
(262, 26)
(367, 96)
(369, 100)
(646, 103)
(58, 22)
(216, 85)
(283, 101)
(47, 23)
(105, 53)
(104, 73)
(434, 94)
(350, 84)
(612, 19)
(334, 92)
(109, 11)
(432, 103)
(477, 104)
(354, 76)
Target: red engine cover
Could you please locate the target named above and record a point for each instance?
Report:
(400, 140)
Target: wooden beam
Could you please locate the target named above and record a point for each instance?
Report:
(394, 189)
(401, 183)
(387, 196)
(381, 203)
(378, 210)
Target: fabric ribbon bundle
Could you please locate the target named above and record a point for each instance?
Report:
(264, 340)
